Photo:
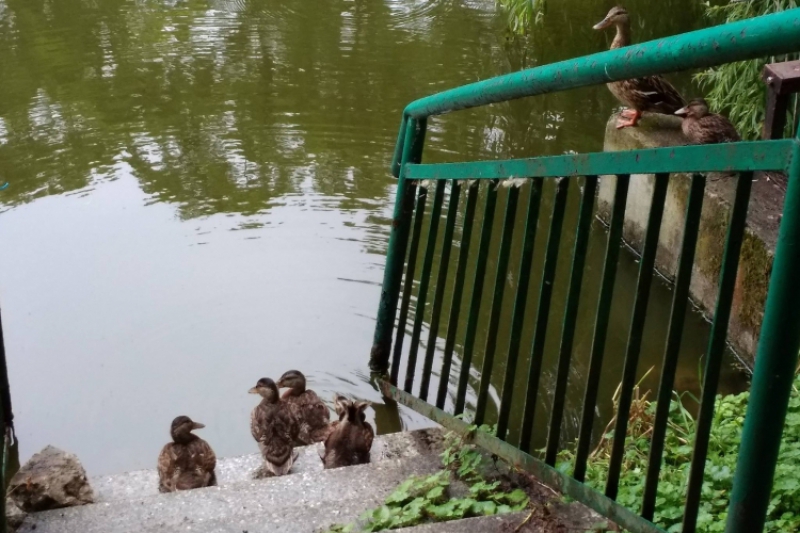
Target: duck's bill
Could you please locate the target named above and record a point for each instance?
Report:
(254, 390)
(198, 425)
(603, 24)
(682, 111)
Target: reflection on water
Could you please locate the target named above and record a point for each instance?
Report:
(199, 194)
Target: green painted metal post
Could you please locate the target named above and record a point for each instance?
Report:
(501, 277)
(570, 317)
(458, 291)
(601, 326)
(776, 361)
(395, 256)
(636, 332)
(716, 348)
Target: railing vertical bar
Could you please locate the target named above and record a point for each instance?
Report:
(646, 267)
(773, 375)
(441, 282)
(716, 347)
(584, 226)
(543, 312)
(408, 283)
(520, 304)
(497, 303)
(395, 256)
(680, 298)
(601, 326)
(458, 292)
(477, 295)
(424, 282)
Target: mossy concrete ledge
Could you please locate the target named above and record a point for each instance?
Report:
(758, 248)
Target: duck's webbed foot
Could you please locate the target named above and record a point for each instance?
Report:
(628, 118)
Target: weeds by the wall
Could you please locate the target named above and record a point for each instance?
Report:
(784, 508)
(427, 498)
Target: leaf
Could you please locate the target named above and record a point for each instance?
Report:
(482, 489)
(436, 494)
(483, 508)
(513, 498)
(451, 510)
(401, 494)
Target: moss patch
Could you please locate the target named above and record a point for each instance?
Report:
(711, 241)
(755, 268)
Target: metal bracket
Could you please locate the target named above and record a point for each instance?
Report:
(783, 80)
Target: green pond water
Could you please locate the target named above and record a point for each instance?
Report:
(199, 196)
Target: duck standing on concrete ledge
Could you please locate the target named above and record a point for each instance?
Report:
(188, 462)
(273, 427)
(310, 413)
(651, 93)
(701, 126)
(350, 440)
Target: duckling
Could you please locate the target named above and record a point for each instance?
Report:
(703, 127)
(310, 414)
(274, 429)
(651, 93)
(188, 462)
(350, 440)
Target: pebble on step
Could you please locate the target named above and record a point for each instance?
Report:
(51, 479)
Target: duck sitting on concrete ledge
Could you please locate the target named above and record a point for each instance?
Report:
(188, 462)
(310, 413)
(274, 429)
(350, 440)
(701, 126)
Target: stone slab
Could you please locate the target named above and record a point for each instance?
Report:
(299, 503)
(143, 483)
(483, 524)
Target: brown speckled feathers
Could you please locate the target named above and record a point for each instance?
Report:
(273, 428)
(710, 129)
(311, 415)
(350, 440)
(188, 462)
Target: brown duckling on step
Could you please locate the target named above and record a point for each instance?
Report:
(310, 413)
(701, 126)
(274, 429)
(188, 462)
(651, 93)
(350, 440)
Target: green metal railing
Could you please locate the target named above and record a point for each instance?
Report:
(780, 335)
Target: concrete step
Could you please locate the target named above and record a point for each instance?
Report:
(484, 524)
(143, 483)
(299, 503)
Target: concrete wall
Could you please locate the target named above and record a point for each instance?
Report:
(758, 247)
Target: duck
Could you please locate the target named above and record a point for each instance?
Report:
(188, 462)
(651, 93)
(310, 413)
(700, 126)
(350, 439)
(274, 429)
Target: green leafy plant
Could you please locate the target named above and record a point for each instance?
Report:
(737, 88)
(426, 498)
(784, 508)
(522, 14)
